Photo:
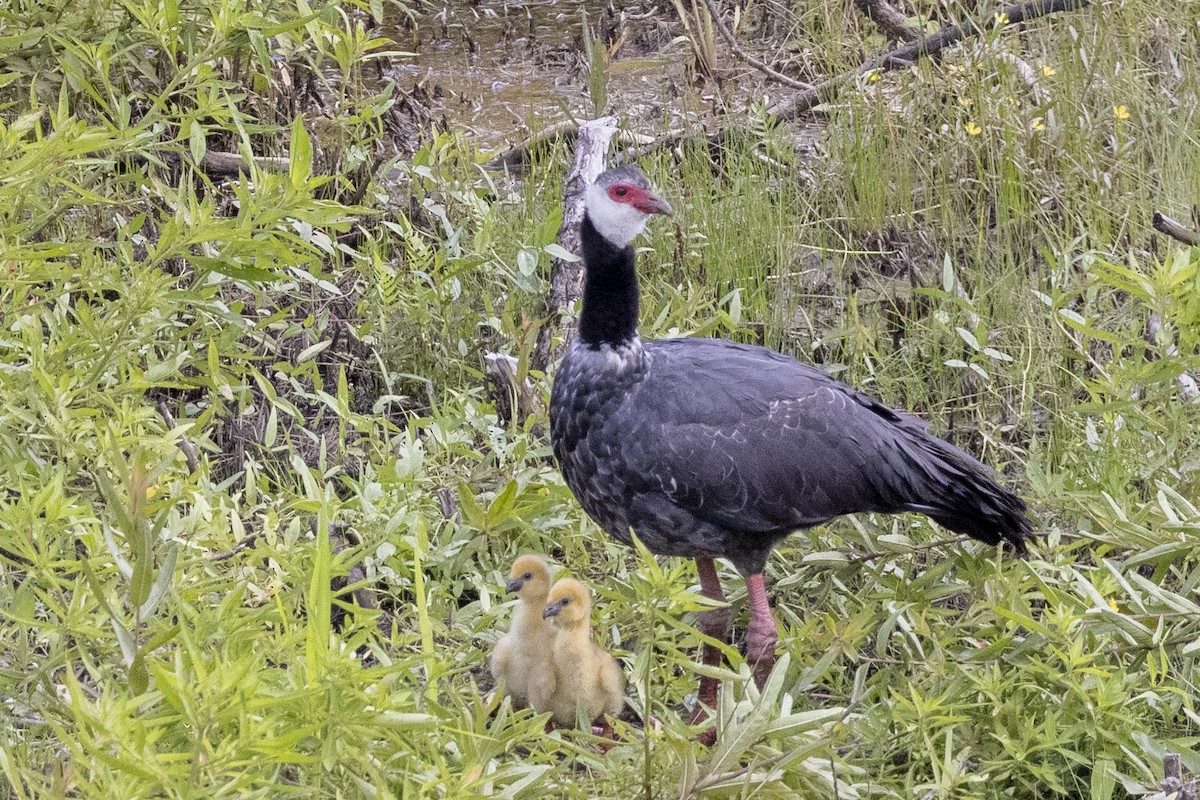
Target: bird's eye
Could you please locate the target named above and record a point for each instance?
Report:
(621, 191)
(566, 601)
(527, 576)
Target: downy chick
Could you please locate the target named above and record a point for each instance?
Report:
(522, 658)
(587, 682)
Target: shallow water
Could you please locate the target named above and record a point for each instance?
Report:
(509, 70)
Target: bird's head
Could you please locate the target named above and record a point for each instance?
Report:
(529, 578)
(620, 202)
(569, 603)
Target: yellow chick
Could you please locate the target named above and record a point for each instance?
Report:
(587, 682)
(522, 657)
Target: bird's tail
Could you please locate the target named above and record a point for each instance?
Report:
(963, 497)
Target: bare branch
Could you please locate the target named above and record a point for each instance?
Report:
(185, 446)
(921, 48)
(237, 548)
(1164, 224)
(515, 398)
(448, 503)
(890, 21)
(566, 277)
(758, 64)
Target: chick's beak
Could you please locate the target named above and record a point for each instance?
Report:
(514, 585)
(552, 610)
(650, 203)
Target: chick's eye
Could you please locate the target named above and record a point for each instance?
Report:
(527, 576)
(566, 601)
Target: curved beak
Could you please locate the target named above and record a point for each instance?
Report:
(552, 610)
(651, 203)
(514, 585)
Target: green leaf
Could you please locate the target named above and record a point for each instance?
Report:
(300, 158)
(969, 338)
(1104, 781)
(558, 251)
(197, 144)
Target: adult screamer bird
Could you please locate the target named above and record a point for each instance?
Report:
(706, 448)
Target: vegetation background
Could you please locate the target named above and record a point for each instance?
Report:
(257, 505)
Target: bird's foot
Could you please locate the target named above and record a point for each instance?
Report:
(762, 634)
(760, 649)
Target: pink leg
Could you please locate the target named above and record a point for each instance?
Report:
(713, 623)
(762, 633)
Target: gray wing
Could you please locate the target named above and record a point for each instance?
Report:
(801, 449)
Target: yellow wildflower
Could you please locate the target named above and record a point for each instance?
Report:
(1037, 124)
(873, 76)
(1047, 70)
(965, 102)
(1121, 112)
(1112, 603)
(1001, 18)
(974, 129)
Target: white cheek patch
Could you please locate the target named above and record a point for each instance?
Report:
(620, 223)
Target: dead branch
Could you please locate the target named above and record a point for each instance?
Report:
(356, 575)
(515, 399)
(893, 24)
(214, 164)
(448, 504)
(516, 158)
(230, 165)
(237, 548)
(758, 64)
(922, 48)
(566, 276)
(354, 570)
(1175, 783)
(1164, 224)
(185, 446)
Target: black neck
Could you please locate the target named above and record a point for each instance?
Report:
(610, 290)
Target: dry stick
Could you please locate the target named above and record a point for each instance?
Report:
(448, 504)
(922, 48)
(1173, 782)
(237, 548)
(566, 277)
(188, 449)
(517, 157)
(214, 164)
(1189, 387)
(1164, 224)
(889, 20)
(761, 66)
(514, 399)
(354, 571)
(363, 594)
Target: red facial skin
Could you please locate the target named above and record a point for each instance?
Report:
(643, 200)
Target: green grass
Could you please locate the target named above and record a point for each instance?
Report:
(955, 246)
